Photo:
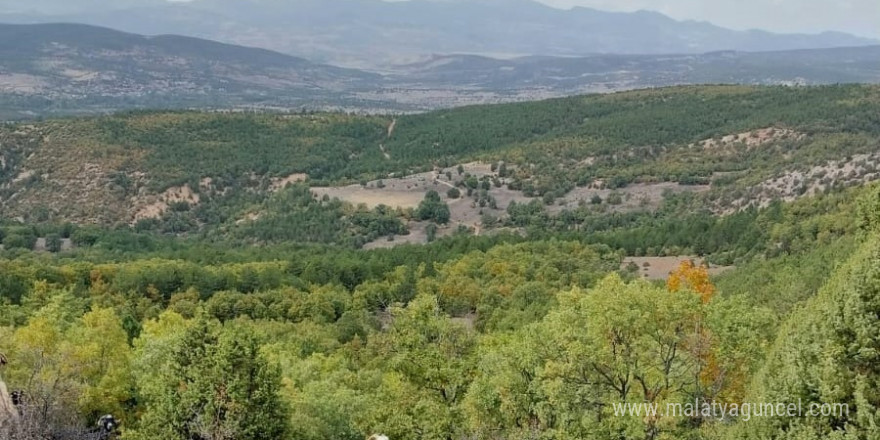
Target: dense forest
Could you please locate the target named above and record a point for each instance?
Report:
(196, 324)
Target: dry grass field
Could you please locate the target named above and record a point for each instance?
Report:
(658, 268)
(407, 192)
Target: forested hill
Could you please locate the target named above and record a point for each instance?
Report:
(451, 275)
(752, 145)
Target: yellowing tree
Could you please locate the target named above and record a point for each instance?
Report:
(76, 370)
(710, 374)
(692, 277)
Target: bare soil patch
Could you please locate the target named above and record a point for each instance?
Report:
(279, 183)
(402, 192)
(155, 206)
(21, 83)
(753, 139)
(792, 185)
(659, 268)
(407, 192)
(634, 197)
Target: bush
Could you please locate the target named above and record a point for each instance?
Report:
(53, 243)
(615, 198)
(17, 241)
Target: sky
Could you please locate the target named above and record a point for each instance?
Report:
(860, 17)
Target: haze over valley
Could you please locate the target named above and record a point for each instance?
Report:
(63, 69)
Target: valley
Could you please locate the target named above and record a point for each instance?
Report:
(411, 274)
(57, 70)
(439, 220)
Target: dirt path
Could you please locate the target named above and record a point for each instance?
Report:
(445, 183)
(391, 127)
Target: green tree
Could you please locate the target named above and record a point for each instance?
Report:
(429, 363)
(619, 343)
(431, 232)
(214, 384)
(615, 198)
(101, 356)
(506, 399)
(53, 243)
(827, 354)
(433, 208)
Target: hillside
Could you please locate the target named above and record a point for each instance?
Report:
(722, 149)
(70, 68)
(439, 220)
(374, 33)
(454, 274)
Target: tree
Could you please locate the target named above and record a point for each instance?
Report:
(868, 209)
(17, 241)
(53, 243)
(431, 232)
(102, 357)
(433, 208)
(453, 193)
(488, 221)
(72, 369)
(326, 403)
(689, 276)
(429, 363)
(214, 384)
(827, 354)
(619, 343)
(506, 399)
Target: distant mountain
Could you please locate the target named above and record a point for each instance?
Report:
(56, 69)
(598, 73)
(71, 68)
(375, 33)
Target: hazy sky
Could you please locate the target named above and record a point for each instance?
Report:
(860, 17)
(854, 16)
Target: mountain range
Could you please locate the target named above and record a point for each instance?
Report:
(375, 34)
(598, 73)
(60, 69)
